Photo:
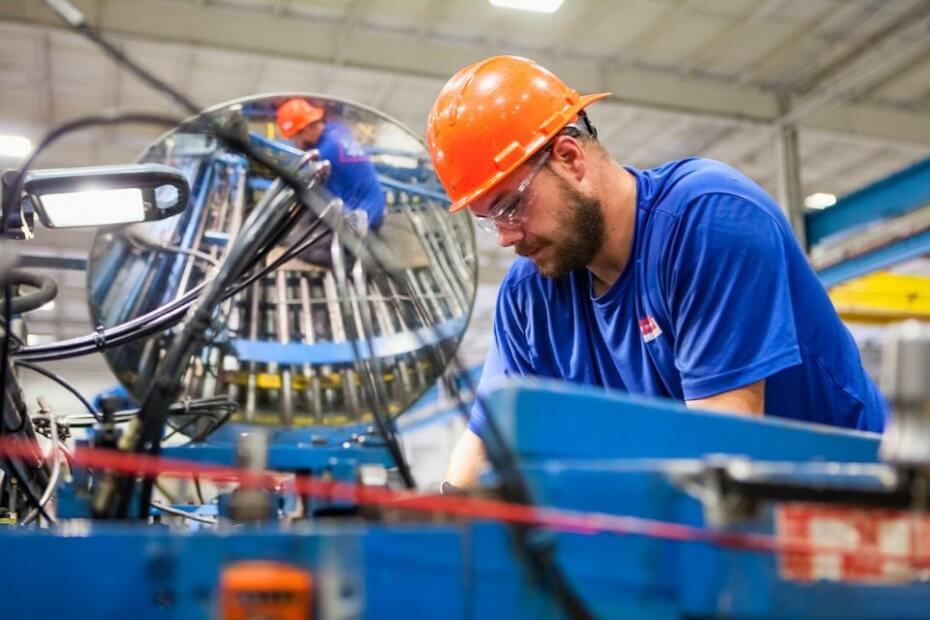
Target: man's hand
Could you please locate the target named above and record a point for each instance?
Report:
(466, 462)
(748, 400)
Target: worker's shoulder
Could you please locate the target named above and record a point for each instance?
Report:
(680, 184)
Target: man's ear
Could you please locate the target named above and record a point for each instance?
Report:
(569, 156)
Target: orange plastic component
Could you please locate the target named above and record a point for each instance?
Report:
(267, 590)
(492, 116)
(295, 114)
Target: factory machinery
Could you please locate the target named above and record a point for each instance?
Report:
(256, 469)
(281, 348)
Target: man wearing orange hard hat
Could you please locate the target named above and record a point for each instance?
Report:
(684, 281)
(352, 176)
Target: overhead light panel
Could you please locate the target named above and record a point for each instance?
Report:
(15, 146)
(94, 207)
(820, 200)
(534, 6)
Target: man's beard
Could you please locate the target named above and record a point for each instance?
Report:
(584, 232)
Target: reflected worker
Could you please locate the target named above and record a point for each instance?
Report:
(352, 178)
(684, 281)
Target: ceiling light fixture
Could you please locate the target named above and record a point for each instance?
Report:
(15, 146)
(820, 200)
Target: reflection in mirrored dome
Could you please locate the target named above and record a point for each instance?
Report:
(324, 337)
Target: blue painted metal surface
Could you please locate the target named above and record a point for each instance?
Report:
(591, 424)
(882, 258)
(471, 571)
(296, 449)
(343, 352)
(892, 196)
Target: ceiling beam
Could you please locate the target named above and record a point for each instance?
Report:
(711, 48)
(822, 70)
(44, 80)
(637, 85)
(279, 9)
(595, 11)
(430, 19)
(819, 23)
(352, 15)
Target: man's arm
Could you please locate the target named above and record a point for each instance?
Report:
(748, 400)
(730, 303)
(467, 460)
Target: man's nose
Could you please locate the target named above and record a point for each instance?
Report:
(509, 235)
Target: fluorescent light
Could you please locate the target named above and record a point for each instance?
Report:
(94, 208)
(15, 146)
(819, 200)
(34, 339)
(535, 6)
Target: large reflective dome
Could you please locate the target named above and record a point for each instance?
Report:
(286, 348)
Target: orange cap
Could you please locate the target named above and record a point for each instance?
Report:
(492, 116)
(295, 114)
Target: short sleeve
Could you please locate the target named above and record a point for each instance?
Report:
(507, 355)
(730, 298)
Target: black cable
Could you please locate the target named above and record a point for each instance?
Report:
(63, 383)
(202, 435)
(75, 19)
(212, 407)
(155, 321)
(269, 221)
(180, 429)
(5, 349)
(46, 290)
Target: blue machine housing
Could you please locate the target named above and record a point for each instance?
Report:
(597, 451)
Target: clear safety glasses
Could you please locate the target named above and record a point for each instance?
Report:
(507, 210)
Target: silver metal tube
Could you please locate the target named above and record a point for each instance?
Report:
(284, 337)
(250, 398)
(55, 476)
(184, 514)
(313, 382)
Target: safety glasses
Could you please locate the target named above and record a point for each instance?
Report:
(508, 209)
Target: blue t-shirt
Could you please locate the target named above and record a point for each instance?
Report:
(353, 177)
(717, 295)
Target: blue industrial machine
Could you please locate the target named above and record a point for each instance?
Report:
(648, 460)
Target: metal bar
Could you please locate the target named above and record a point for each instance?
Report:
(250, 399)
(788, 156)
(902, 250)
(892, 196)
(45, 261)
(284, 337)
(313, 382)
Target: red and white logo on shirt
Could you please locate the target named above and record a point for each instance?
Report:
(649, 328)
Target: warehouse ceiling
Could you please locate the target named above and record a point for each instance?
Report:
(710, 77)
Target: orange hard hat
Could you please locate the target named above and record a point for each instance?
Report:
(295, 114)
(492, 116)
